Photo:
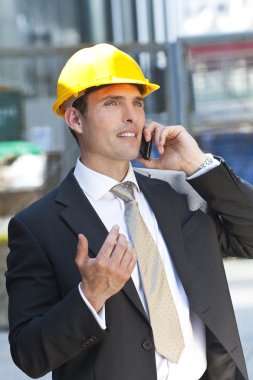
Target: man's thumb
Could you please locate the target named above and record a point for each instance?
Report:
(82, 250)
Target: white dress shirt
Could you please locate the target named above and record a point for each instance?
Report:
(110, 209)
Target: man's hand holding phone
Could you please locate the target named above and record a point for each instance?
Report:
(177, 148)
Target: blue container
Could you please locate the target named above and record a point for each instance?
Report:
(234, 146)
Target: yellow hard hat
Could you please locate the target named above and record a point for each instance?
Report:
(95, 66)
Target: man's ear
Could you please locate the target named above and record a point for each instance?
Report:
(74, 119)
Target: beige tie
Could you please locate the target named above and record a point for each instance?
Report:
(168, 336)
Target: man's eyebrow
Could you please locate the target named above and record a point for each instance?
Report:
(141, 98)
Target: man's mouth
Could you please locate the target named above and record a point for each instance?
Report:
(127, 134)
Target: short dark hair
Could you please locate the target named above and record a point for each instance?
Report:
(81, 105)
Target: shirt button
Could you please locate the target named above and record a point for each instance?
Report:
(147, 344)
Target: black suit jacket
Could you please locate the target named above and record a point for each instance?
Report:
(51, 328)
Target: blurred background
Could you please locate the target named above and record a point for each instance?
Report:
(199, 51)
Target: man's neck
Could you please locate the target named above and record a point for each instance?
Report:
(116, 170)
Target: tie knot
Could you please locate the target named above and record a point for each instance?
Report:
(124, 191)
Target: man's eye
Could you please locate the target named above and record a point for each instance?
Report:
(110, 102)
(138, 103)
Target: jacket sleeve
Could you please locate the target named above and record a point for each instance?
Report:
(230, 200)
(46, 329)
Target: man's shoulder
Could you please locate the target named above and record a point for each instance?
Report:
(46, 203)
(39, 206)
(170, 176)
(177, 181)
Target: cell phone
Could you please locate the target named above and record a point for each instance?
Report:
(145, 148)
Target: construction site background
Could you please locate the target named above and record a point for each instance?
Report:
(199, 52)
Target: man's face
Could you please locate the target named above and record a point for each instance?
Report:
(112, 126)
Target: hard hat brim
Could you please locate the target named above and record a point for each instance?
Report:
(59, 110)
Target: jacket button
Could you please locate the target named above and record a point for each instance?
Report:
(92, 339)
(88, 341)
(147, 345)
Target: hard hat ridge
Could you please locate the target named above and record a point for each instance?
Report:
(98, 65)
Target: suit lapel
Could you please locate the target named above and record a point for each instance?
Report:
(80, 215)
(82, 218)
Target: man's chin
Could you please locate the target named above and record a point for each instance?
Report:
(129, 156)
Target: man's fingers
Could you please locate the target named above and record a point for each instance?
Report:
(156, 130)
(167, 134)
(152, 163)
(132, 263)
(147, 134)
(110, 242)
(120, 249)
(129, 256)
(82, 250)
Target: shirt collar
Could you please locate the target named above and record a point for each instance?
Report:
(95, 184)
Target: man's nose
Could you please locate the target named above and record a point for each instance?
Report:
(130, 114)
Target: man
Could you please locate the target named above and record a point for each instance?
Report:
(79, 304)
